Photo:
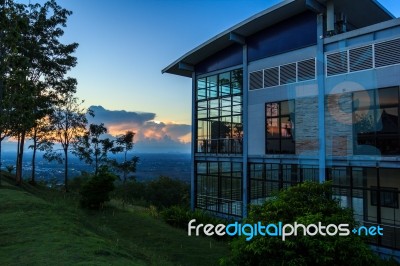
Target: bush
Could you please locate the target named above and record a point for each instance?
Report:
(131, 192)
(78, 182)
(162, 192)
(96, 191)
(10, 168)
(179, 216)
(166, 192)
(307, 203)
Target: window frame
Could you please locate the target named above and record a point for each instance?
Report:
(279, 117)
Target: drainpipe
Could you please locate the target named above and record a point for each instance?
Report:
(330, 18)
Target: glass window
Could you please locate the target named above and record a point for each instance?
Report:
(219, 187)
(376, 122)
(280, 127)
(219, 108)
(201, 89)
(389, 197)
(265, 179)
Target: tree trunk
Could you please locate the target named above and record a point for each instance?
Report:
(66, 169)
(34, 157)
(20, 157)
(96, 161)
(1, 164)
(17, 160)
(125, 170)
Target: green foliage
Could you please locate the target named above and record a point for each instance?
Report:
(307, 203)
(33, 65)
(93, 147)
(96, 191)
(10, 168)
(179, 216)
(124, 144)
(165, 192)
(162, 192)
(77, 183)
(131, 192)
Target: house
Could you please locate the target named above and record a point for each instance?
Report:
(305, 90)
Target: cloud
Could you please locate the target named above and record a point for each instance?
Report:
(119, 117)
(165, 144)
(151, 136)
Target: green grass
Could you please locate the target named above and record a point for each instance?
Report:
(39, 226)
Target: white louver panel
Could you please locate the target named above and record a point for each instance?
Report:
(336, 63)
(283, 74)
(288, 74)
(271, 77)
(379, 54)
(256, 80)
(306, 70)
(387, 53)
(361, 58)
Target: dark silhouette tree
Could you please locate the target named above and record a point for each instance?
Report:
(125, 144)
(93, 148)
(69, 121)
(36, 62)
(39, 135)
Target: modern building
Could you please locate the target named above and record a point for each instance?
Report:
(305, 90)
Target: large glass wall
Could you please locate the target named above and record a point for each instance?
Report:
(265, 178)
(373, 194)
(376, 122)
(219, 187)
(219, 113)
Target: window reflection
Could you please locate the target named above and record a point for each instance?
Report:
(280, 127)
(219, 187)
(376, 117)
(219, 113)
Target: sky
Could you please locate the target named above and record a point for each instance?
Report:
(124, 45)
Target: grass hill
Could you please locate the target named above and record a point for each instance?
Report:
(39, 226)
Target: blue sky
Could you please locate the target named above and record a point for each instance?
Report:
(124, 44)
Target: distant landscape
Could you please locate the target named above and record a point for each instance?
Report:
(150, 166)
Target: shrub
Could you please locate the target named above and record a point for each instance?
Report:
(307, 203)
(96, 191)
(10, 168)
(131, 192)
(166, 192)
(179, 216)
(78, 182)
(162, 192)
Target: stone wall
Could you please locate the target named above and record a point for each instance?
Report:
(306, 126)
(339, 124)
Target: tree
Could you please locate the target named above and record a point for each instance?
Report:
(125, 144)
(96, 191)
(14, 65)
(93, 148)
(41, 141)
(69, 121)
(307, 203)
(35, 62)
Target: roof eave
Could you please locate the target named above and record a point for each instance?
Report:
(173, 68)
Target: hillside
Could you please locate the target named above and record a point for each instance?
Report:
(39, 226)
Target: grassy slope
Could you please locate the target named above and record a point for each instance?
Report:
(42, 227)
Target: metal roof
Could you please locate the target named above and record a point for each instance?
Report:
(375, 13)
